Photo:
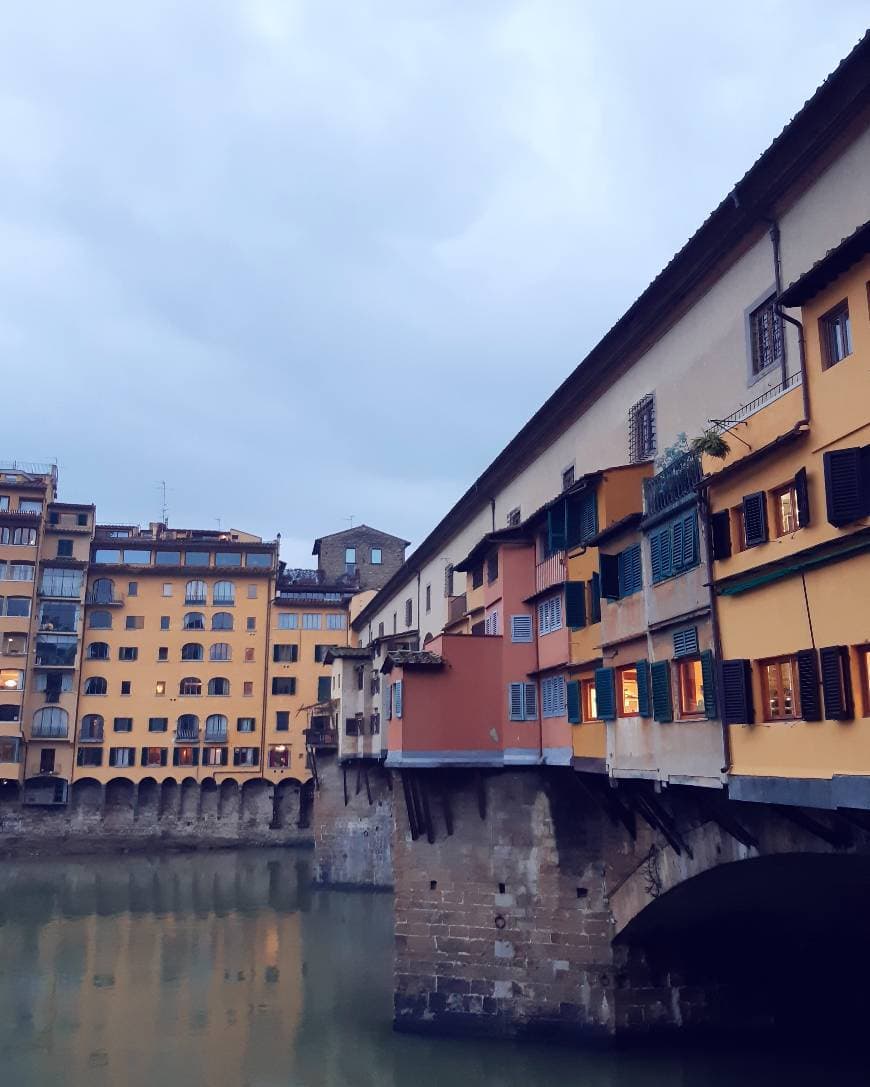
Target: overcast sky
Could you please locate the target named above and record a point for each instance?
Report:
(314, 260)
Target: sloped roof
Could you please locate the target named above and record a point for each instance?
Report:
(355, 531)
(411, 658)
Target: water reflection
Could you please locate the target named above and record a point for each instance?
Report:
(226, 970)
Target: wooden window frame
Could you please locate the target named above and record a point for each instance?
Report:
(770, 662)
(681, 664)
(588, 695)
(776, 494)
(863, 654)
(827, 325)
(620, 691)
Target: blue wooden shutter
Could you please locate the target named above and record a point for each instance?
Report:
(676, 530)
(690, 540)
(720, 524)
(589, 516)
(686, 642)
(808, 685)
(836, 683)
(847, 481)
(575, 604)
(573, 694)
(609, 578)
(708, 679)
(530, 701)
(643, 688)
(737, 705)
(557, 520)
(605, 694)
(755, 519)
(636, 568)
(801, 490)
(662, 705)
(595, 599)
(655, 555)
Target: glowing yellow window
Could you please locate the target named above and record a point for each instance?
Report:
(785, 508)
(691, 683)
(160, 687)
(779, 680)
(627, 692)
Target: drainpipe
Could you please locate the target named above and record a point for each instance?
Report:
(419, 623)
(802, 356)
(777, 278)
(492, 510)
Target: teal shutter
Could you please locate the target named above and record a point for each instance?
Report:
(605, 694)
(690, 540)
(643, 688)
(573, 522)
(557, 527)
(676, 530)
(589, 516)
(575, 604)
(573, 690)
(595, 599)
(655, 556)
(663, 709)
(708, 677)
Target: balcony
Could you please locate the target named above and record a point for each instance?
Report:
(673, 483)
(186, 734)
(216, 734)
(93, 735)
(49, 730)
(456, 606)
(105, 600)
(322, 733)
(550, 572)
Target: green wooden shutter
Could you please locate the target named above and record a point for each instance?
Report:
(575, 604)
(557, 520)
(573, 694)
(836, 683)
(605, 693)
(636, 568)
(755, 518)
(720, 524)
(808, 685)
(803, 498)
(595, 599)
(643, 688)
(589, 516)
(690, 540)
(708, 678)
(677, 545)
(609, 576)
(737, 705)
(662, 707)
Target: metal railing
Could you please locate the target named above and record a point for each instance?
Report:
(672, 483)
(758, 403)
(30, 468)
(91, 736)
(550, 572)
(185, 733)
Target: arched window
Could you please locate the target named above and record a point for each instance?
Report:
(216, 728)
(224, 592)
(91, 728)
(100, 620)
(51, 721)
(98, 651)
(195, 593)
(187, 727)
(192, 651)
(222, 620)
(219, 686)
(96, 685)
(102, 591)
(220, 651)
(194, 620)
(9, 712)
(190, 685)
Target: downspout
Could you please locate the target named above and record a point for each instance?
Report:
(419, 623)
(777, 278)
(492, 510)
(802, 356)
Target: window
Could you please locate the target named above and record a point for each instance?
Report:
(514, 517)
(224, 592)
(195, 592)
(588, 700)
(409, 612)
(835, 335)
(220, 651)
(324, 692)
(50, 723)
(219, 687)
(185, 756)
(252, 591)
(53, 684)
(673, 548)
(122, 756)
(251, 623)
(215, 728)
(765, 337)
(158, 724)
(288, 620)
(167, 558)
(428, 598)
(214, 756)
(259, 559)
(160, 688)
(642, 429)
(126, 686)
(785, 509)
(19, 607)
(8, 711)
(134, 622)
(187, 727)
(864, 676)
(15, 645)
(164, 622)
(128, 653)
(122, 724)
(311, 622)
(64, 549)
(27, 505)
(320, 652)
(847, 484)
(96, 685)
(54, 616)
(282, 721)
(336, 622)
(380, 630)
(553, 697)
(56, 649)
(228, 558)
(10, 750)
(191, 651)
(780, 690)
(163, 653)
(490, 624)
(521, 628)
(167, 588)
(397, 698)
(18, 537)
(627, 692)
(4, 501)
(285, 654)
(222, 620)
(448, 579)
(377, 557)
(245, 724)
(81, 519)
(154, 756)
(132, 588)
(522, 702)
(283, 685)
(621, 574)
(567, 477)
(248, 689)
(136, 557)
(279, 756)
(190, 687)
(91, 729)
(690, 680)
(492, 568)
(350, 556)
(246, 756)
(16, 571)
(196, 558)
(550, 615)
(89, 756)
(193, 620)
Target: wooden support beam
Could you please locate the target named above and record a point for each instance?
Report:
(481, 795)
(427, 815)
(409, 806)
(659, 818)
(838, 838)
(368, 785)
(601, 793)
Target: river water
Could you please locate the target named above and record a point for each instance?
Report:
(227, 970)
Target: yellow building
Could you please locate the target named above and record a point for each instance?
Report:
(790, 517)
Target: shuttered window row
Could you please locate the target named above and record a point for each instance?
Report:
(522, 702)
(822, 688)
(754, 517)
(654, 689)
(550, 615)
(621, 575)
(673, 547)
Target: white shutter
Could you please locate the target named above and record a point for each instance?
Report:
(515, 701)
(521, 628)
(397, 688)
(530, 701)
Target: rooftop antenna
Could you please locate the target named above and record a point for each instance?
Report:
(351, 519)
(218, 523)
(164, 511)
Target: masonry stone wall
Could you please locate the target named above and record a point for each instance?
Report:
(363, 539)
(352, 823)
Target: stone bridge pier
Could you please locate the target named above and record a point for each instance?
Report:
(543, 903)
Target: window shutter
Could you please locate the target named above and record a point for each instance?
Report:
(662, 705)
(521, 628)
(595, 599)
(636, 568)
(573, 694)
(755, 518)
(686, 642)
(575, 604)
(557, 527)
(588, 517)
(163, 756)
(844, 488)
(808, 685)
(397, 689)
(643, 688)
(836, 683)
(605, 694)
(677, 542)
(690, 536)
(389, 701)
(144, 756)
(609, 576)
(737, 707)
(720, 524)
(176, 755)
(530, 701)
(515, 701)
(708, 678)
(803, 498)
(573, 523)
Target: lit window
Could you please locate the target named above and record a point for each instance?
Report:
(691, 683)
(779, 678)
(629, 705)
(835, 334)
(590, 700)
(160, 687)
(785, 510)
